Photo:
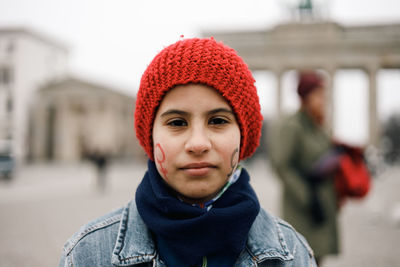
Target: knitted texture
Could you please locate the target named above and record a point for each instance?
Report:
(202, 61)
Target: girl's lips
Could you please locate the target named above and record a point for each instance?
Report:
(198, 168)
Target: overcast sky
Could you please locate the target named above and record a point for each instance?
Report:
(113, 41)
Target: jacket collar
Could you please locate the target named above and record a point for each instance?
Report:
(266, 240)
(135, 243)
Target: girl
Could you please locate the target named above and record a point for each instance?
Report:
(197, 115)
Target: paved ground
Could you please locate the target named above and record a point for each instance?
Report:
(46, 204)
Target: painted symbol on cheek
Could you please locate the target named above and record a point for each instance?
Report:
(160, 158)
(234, 161)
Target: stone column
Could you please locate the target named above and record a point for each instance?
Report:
(59, 129)
(329, 99)
(39, 130)
(372, 105)
(278, 75)
(64, 132)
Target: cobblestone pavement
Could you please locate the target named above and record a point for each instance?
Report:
(45, 204)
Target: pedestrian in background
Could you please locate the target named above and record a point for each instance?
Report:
(197, 115)
(306, 161)
(100, 160)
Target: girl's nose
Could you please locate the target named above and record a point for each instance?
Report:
(198, 141)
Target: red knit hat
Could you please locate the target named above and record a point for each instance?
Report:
(207, 62)
(308, 81)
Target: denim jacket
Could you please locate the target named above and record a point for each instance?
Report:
(121, 238)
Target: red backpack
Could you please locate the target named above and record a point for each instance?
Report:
(353, 178)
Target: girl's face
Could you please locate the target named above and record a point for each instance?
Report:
(315, 104)
(196, 141)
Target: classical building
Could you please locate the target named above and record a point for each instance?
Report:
(71, 118)
(27, 60)
(321, 45)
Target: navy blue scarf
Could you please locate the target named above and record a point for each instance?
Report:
(190, 231)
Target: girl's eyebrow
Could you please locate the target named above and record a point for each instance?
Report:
(184, 113)
(174, 111)
(218, 110)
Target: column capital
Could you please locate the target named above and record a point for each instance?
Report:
(372, 68)
(279, 71)
(330, 68)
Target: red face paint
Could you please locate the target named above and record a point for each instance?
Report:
(160, 158)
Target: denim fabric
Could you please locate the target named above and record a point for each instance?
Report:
(121, 238)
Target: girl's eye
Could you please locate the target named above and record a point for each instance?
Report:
(218, 121)
(177, 123)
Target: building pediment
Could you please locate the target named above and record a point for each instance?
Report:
(313, 45)
(80, 89)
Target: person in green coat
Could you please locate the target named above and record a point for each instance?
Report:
(303, 156)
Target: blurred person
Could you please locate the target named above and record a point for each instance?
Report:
(197, 116)
(306, 161)
(100, 160)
